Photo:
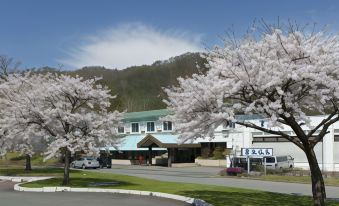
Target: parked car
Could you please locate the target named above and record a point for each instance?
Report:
(241, 161)
(105, 162)
(272, 162)
(85, 162)
(279, 162)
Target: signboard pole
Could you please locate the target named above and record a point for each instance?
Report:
(248, 165)
(265, 165)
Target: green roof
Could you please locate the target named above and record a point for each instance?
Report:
(151, 115)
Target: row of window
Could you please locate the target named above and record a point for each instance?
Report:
(269, 139)
(280, 139)
(150, 127)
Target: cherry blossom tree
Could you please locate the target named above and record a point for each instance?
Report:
(278, 72)
(7, 66)
(24, 144)
(69, 112)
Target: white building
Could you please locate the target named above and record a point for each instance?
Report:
(327, 151)
(147, 135)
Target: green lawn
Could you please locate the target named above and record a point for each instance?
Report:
(15, 171)
(14, 159)
(216, 195)
(330, 181)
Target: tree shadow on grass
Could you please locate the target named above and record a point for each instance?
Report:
(34, 171)
(81, 182)
(236, 198)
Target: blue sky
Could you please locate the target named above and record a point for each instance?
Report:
(117, 34)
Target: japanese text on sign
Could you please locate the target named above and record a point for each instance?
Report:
(256, 151)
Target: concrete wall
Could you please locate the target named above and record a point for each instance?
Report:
(210, 163)
(156, 161)
(124, 162)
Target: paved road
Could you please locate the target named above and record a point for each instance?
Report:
(206, 175)
(9, 197)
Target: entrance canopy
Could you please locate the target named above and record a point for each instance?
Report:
(164, 141)
(129, 143)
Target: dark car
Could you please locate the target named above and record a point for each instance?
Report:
(105, 162)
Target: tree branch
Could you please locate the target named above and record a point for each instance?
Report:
(322, 123)
(324, 131)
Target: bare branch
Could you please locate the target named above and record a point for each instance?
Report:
(322, 123)
(324, 131)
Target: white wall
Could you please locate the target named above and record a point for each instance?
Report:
(336, 152)
(287, 148)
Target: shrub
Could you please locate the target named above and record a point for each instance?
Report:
(257, 168)
(227, 152)
(218, 153)
(205, 153)
(234, 171)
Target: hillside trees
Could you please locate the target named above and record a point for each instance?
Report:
(69, 112)
(278, 72)
(139, 88)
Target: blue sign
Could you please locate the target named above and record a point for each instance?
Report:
(256, 151)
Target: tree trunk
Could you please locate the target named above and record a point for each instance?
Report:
(28, 163)
(318, 186)
(66, 167)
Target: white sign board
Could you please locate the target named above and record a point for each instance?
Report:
(256, 151)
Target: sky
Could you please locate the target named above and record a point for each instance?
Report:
(71, 34)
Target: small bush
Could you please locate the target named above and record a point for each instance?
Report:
(218, 153)
(205, 153)
(258, 168)
(222, 172)
(227, 151)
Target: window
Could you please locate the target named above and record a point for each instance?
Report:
(121, 130)
(258, 139)
(167, 126)
(336, 138)
(150, 127)
(228, 124)
(270, 159)
(270, 139)
(135, 127)
(257, 133)
(262, 123)
(282, 159)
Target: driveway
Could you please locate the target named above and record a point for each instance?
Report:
(9, 197)
(207, 175)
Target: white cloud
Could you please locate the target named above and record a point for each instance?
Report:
(130, 45)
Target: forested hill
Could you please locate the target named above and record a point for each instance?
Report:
(139, 88)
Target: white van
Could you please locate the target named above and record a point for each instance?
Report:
(279, 162)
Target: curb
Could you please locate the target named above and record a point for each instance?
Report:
(23, 179)
(18, 187)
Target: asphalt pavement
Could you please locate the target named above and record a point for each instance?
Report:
(9, 197)
(208, 175)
